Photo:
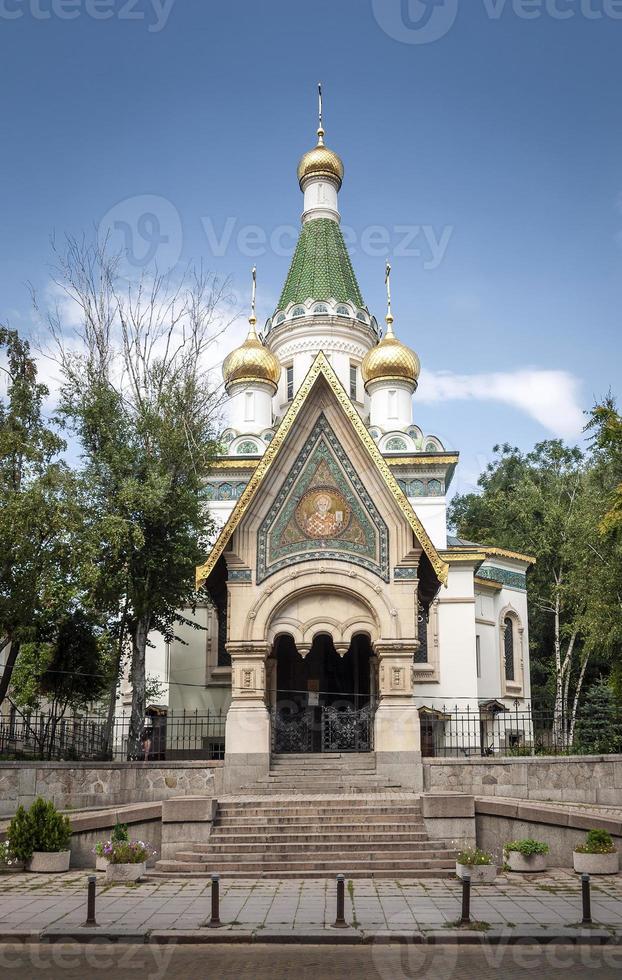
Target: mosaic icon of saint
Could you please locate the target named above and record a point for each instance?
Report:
(322, 523)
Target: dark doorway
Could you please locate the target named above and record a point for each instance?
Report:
(322, 694)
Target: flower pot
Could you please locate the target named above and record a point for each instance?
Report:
(125, 872)
(101, 862)
(481, 874)
(527, 862)
(47, 862)
(596, 864)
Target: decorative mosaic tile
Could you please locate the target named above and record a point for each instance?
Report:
(514, 580)
(322, 511)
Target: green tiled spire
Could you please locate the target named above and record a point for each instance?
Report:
(321, 268)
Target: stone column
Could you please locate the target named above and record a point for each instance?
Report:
(247, 733)
(397, 736)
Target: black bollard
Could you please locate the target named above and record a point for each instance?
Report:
(340, 921)
(466, 900)
(587, 902)
(90, 902)
(214, 922)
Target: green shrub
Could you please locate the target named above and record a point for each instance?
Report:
(597, 842)
(473, 856)
(20, 836)
(128, 852)
(526, 847)
(119, 832)
(41, 828)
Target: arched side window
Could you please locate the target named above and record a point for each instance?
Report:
(320, 308)
(421, 654)
(396, 446)
(299, 311)
(248, 448)
(280, 319)
(343, 311)
(508, 648)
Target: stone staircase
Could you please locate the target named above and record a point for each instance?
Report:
(316, 817)
(322, 773)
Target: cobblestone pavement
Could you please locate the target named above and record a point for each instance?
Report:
(261, 962)
(536, 902)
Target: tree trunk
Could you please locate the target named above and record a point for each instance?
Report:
(558, 720)
(577, 695)
(112, 703)
(137, 719)
(7, 671)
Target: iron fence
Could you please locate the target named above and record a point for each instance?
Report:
(517, 730)
(181, 735)
(451, 731)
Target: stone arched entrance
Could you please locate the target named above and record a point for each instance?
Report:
(340, 605)
(322, 699)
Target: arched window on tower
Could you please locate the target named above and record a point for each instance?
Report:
(299, 311)
(508, 647)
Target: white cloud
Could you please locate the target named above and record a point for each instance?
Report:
(550, 397)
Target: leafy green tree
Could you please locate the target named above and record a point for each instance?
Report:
(138, 396)
(39, 509)
(541, 503)
(599, 721)
(68, 670)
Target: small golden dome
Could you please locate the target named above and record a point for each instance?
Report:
(390, 360)
(251, 362)
(320, 162)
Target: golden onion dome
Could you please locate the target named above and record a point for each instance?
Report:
(321, 162)
(252, 362)
(390, 360)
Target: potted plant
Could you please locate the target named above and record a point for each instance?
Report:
(103, 849)
(597, 855)
(526, 855)
(40, 837)
(476, 863)
(127, 860)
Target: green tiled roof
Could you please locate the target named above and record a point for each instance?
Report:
(321, 268)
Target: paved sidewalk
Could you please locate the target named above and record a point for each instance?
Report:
(516, 906)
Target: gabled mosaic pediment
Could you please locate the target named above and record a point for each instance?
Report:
(322, 511)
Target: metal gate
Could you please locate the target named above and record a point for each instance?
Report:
(337, 728)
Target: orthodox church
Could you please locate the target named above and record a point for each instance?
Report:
(339, 614)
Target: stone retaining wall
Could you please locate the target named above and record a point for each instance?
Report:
(564, 779)
(562, 828)
(90, 784)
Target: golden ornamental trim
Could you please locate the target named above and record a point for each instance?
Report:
(319, 367)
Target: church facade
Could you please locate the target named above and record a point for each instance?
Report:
(340, 615)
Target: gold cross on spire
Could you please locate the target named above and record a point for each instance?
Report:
(387, 280)
(320, 132)
(253, 318)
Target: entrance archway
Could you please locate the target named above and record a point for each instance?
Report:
(323, 701)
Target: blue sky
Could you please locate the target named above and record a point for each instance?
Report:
(500, 138)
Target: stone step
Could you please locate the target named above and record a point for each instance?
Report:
(318, 867)
(300, 821)
(349, 758)
(292, 825)
(315, 806)
(393, 833)
(356, 873)
(363, 849)
(319, 813)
